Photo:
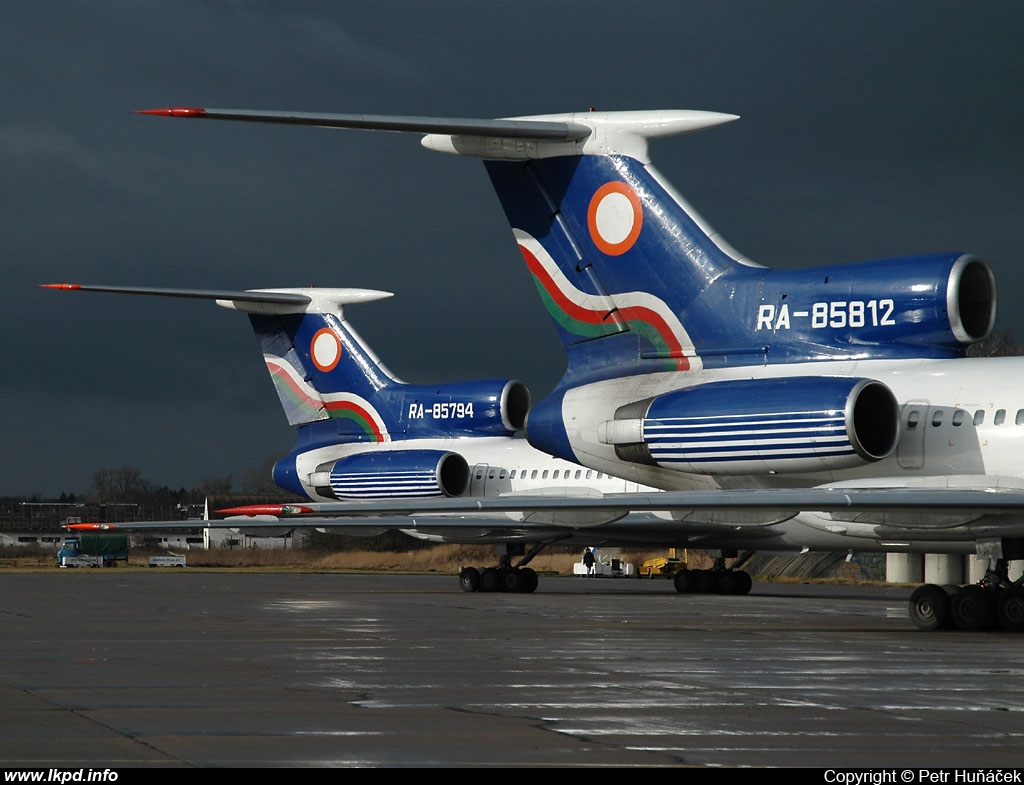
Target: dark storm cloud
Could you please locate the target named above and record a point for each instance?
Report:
(867, 130)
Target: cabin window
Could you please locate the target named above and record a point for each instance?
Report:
(589, 474)
(937, 418)
(533, 475)
(1000, 417)
(958, 417)
(555, 475)
(1020, 417)
(544, 474)
(979, 417)
(913, 419)
(501, 475)
(577, 474)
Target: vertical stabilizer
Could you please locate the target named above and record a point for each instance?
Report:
(320, 366)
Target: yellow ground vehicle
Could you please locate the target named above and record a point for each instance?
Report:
(663, 566)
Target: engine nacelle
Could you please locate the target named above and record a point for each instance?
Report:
(496, 407)
(888, 306)
(393, 474)
(752, 426)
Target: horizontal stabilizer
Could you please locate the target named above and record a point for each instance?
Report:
(535, 136)
(298, 300)
(515, 128)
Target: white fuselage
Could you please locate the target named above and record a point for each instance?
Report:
(498, 465)
(970, 423)
(968, 419)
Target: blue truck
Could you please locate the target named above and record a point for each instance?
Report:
(93, 550)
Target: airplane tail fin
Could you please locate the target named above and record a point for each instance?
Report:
(637, 282)
(320, 367)
(343, 399)
(621, 263)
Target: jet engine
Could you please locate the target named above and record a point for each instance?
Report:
(750, 426)
(393, 474)
(885, 307)
(497, 407)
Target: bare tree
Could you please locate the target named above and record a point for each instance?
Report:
(213, 486)
(119, 485)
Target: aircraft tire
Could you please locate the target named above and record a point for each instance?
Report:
(490, 579)
(744, 583)
(469, 579)
(1010, 609)
(512, 581)
(530, 580)
(684, 581)
(733, 582)
(974, 609)
(704, 581)
(725, 582)
(930, 608)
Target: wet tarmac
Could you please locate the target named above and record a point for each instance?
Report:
(179, 668)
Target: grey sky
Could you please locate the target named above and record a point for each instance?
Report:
(868, 129)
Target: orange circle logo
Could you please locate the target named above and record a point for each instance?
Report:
(325, 349)
(614, 218)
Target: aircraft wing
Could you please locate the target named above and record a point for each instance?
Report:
(944, 504)
(717, 515)
(760, 507)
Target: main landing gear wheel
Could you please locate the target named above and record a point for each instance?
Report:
(930, 608)
(712, 582)
(520, 580)
(469, 579)
(1010, 609)
(491, 579)
(993, 603)
(504, 577)
(733, 582)
(974, 609)
(684, 582)
(977, 608)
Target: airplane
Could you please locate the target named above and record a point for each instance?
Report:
(737, 387)
(446, 462)
(365, 434)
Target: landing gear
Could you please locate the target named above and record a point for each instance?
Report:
(992, 604)
(469, 578)
(1010, 609)
(718, 580)
(504, 577)
(974, 608)
(713, 582)
(491, 579)
(930, 608)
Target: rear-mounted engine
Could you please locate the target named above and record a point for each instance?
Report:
(393, 474)
(497, 407)
(883, 307)
(803, 424)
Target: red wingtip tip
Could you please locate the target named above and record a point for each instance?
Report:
(174, 111)
(65, 286)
